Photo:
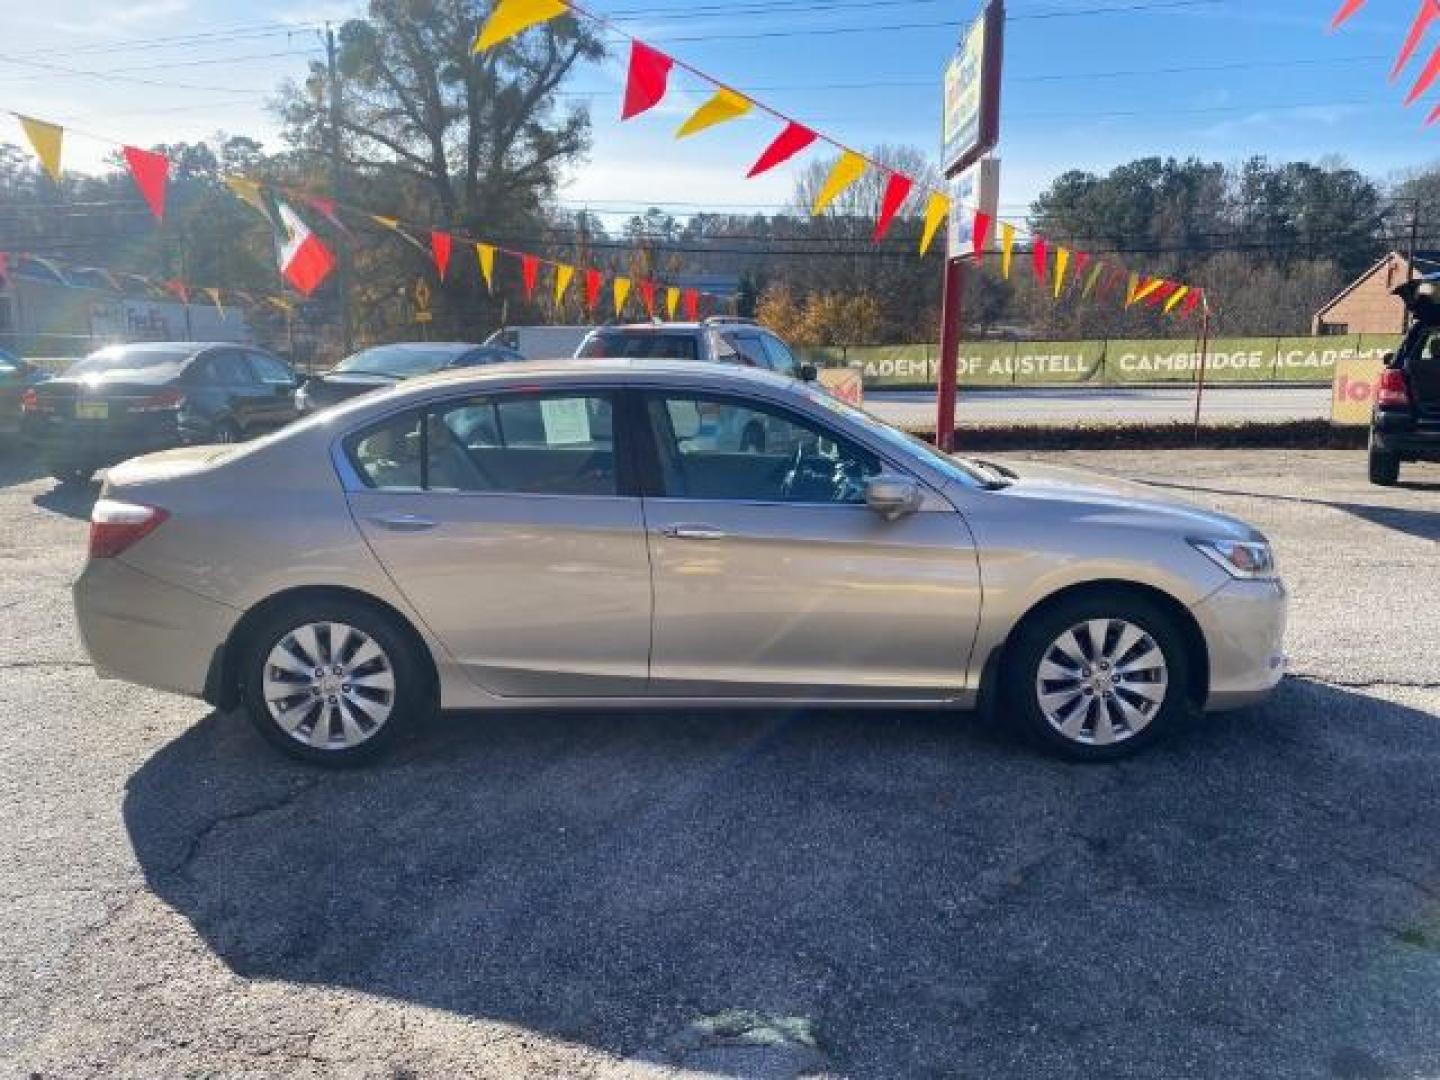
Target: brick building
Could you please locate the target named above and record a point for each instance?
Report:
(1365, 306)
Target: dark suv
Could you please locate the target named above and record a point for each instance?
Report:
(1406, 423)
(128, 400)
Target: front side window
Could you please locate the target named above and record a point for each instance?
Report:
(749, 349)
(524, 444)
(726, 448)
(271, 371)
(781, 358)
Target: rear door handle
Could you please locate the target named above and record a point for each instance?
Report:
(404, 522)
(692, 532)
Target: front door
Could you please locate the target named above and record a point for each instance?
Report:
(504, 519)
(772, 576)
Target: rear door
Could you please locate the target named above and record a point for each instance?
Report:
(277, 406)
(774, 579)
(235, 389)
(511, 523)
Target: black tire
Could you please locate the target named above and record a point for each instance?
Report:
(409, 702)
(1031, 644)
(1384, 466)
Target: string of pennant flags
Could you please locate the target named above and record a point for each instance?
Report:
(647, 84)
(305, 261)
(1427, 13)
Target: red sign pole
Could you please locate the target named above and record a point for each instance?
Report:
(949, 353)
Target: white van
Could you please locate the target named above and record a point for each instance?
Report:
(541, 342)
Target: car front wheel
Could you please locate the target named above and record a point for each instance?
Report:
(332, 682)
(1096, 679)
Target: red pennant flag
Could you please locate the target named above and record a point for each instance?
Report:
(1427, 77)
(981, 231)
(692, 305)
(1164, 291)
(1040, 258)
(787, 144)
(647, 295)
(1191, 302)
(897, 190)
(529, 272)
(1082, 260)
(151, 172)
(1347, 9)
(1428, 13)
(440, 251)
(178, 288)
(646, 84)
(593, 280)
(304, 260)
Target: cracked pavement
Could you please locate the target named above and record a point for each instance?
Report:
(849, 894)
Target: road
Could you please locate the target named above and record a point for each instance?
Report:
(745, 894)
(1223, 405)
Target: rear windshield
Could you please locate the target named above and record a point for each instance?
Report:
(147, 364)
(402, 361)
(628, 344)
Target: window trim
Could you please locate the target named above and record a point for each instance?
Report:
(797, 417)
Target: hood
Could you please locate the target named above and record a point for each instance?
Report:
(167, 465)
(1093, 494)
(359, 381)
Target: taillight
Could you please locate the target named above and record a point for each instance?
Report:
(1392, 393)
(165, 401)
(115, 526)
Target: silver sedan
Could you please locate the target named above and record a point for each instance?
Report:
(613, 533)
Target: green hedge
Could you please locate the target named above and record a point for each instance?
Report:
(1107, 363)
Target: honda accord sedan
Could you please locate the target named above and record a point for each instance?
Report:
(586, 533)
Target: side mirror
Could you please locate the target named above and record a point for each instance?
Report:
(892, 496)
(809, 372)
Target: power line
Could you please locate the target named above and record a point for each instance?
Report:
(784, 10)
(105, 76)
(257, 30)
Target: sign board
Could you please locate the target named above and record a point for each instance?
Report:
(1353, 397)
(847, 384)
(977, 188)
(971, 119)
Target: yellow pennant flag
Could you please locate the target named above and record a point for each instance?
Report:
(1007, 247)
(1062, 263)
(847, 170)
(936, 211)
(510, 17)
(1092, 279)
(1175, 298)
(726, 105)
(622, 293)
(486, 254)
(672, 301)
(247, 191)
(214, 295)
(563, 276)
(387, 222)
(45, 139)
(1139, 292)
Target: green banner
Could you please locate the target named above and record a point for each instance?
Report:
(1108, 363)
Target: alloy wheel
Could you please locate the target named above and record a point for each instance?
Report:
(1102, 682)
(329, 686)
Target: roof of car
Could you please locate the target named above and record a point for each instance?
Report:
(617, 368)
(651, 328)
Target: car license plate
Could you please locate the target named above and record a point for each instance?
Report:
(92, 410)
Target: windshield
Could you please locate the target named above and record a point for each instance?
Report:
(151, 364)
(966, 472)
(623, 344)
(402, 361)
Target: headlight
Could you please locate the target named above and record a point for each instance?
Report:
(1239, 558)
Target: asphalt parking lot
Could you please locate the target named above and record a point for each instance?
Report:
(772, 893)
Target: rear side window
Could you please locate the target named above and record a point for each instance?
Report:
(389, 455)
(226, 368)
(641, 345)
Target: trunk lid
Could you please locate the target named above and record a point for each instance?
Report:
(167, 465)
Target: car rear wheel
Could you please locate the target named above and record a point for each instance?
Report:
(332, 682)
(1097, 678)
(1384, 466)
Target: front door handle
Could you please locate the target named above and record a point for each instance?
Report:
(404, 522)
(692, 532)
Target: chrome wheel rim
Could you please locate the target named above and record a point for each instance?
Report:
(329, 686)
(1102, 682)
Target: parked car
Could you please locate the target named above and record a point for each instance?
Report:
(385, 365)
(1406, 423)
(16, 377)
(721, 340)
(134, 399)
(540, 342)
(547, 535)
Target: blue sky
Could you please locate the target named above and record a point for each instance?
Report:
(1221, 80)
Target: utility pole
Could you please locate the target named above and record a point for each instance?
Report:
(337, 192)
